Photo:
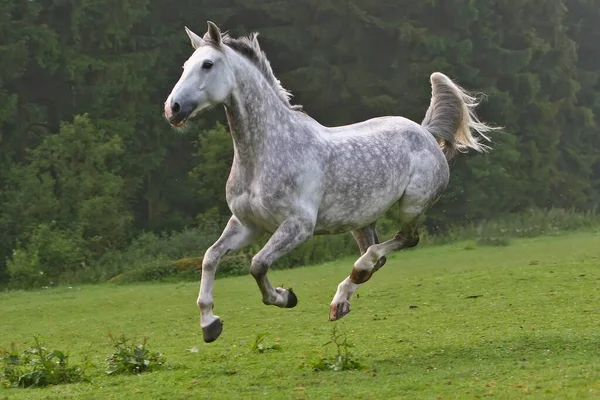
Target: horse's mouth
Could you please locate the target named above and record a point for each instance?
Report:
(179, 122)
(197, 112)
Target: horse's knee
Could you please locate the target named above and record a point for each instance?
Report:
(210, 261)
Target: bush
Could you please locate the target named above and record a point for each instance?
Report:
(179, 256)
(532, 223)
(38, 367)
(56, 256)
(50, 254)
(128, 358)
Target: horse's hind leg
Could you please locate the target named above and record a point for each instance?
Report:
(416, 200)
(412, 205)
(367, 265)
(365, 237)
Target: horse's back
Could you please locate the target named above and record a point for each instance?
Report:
(373, 125)
(395, 141)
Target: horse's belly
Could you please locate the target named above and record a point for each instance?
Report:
(339, 215)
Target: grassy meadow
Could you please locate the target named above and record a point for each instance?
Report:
(452, 321)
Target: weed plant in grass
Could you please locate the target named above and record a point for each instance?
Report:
(259, 344)
(342, 359)
(130, 358)
(37, 366)
(435, 322)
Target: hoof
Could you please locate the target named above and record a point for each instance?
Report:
(292, 300)
(338, 311)
(212, 331)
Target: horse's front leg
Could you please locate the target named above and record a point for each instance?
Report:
(235, 236)
(290, 234)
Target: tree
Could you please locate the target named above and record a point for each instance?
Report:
(71, 183)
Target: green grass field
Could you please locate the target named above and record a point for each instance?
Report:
(534, 330)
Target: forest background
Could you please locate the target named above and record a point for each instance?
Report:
(96, 186)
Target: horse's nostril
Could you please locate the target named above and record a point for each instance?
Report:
(176, 108)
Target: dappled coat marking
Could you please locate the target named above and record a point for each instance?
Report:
(293, 177)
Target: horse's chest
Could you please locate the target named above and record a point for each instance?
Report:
(251, 208)
(268, 196)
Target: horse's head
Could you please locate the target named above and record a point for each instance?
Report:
(207, 79)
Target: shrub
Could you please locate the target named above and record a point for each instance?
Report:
(532, 223)
(49, 254)
(53, 255)
(38, 367)
(128, 358)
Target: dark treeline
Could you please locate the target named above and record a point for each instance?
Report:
(87, 162)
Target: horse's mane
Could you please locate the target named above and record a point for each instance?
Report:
(248, 47)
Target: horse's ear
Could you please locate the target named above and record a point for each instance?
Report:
(195, 39)
(213, 33)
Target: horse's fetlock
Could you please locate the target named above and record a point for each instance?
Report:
(205, 305)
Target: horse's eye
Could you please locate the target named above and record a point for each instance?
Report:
(207, 64)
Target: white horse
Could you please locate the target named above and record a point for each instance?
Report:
(293, 177)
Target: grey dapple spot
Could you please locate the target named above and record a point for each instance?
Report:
(293, 178)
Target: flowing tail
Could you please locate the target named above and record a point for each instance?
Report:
(451, 117)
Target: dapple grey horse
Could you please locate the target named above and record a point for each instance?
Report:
(293, 178)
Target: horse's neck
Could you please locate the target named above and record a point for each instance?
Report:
(255, 114)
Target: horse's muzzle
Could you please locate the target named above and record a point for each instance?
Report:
(177, 113)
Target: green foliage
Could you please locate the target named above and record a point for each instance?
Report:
(532, 223)
(65, 206)
(342, 360)
(72, 178)
(129, 358)
(259, 346)
(38, 367)
(54, 257)
(84, 145)
(214, 159)
(49, 257)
